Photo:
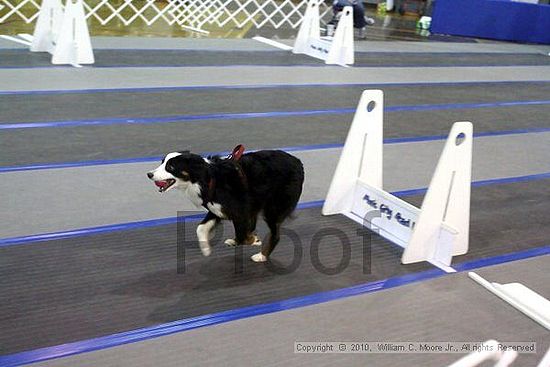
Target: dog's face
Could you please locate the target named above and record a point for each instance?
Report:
(178, 170)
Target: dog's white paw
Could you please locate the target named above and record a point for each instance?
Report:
(230, 242)
(259, 258)
(257, 241)
(205, 248)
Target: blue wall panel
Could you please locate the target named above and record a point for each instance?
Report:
(493, 19)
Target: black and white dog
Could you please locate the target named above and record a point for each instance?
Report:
(236, 188)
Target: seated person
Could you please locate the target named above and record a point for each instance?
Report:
(360, 21)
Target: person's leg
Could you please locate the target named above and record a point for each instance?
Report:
(360, 20)
(359, 15)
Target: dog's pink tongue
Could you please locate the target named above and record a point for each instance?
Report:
(161, 184)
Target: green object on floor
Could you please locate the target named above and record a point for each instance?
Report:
(381, 8)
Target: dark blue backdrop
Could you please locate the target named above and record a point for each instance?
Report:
(494, 19)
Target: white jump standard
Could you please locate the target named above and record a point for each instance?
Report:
(47, 26)
(337, 50)
(73, 45)
(438, 230)
(61, 32)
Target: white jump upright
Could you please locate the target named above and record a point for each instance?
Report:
(73, 45)
(438, 230)
(339, 50)
(61, 32)
(47, 26)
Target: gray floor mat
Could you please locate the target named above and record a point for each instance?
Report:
(111, 58)
(150, 103)
(31, 146)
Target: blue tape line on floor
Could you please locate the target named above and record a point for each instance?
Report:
(255, 115)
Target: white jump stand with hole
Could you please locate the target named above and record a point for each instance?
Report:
(73, 44)
(339, 50)
(336, 50)
(63, 33)
(47, 26)
(438, 230)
